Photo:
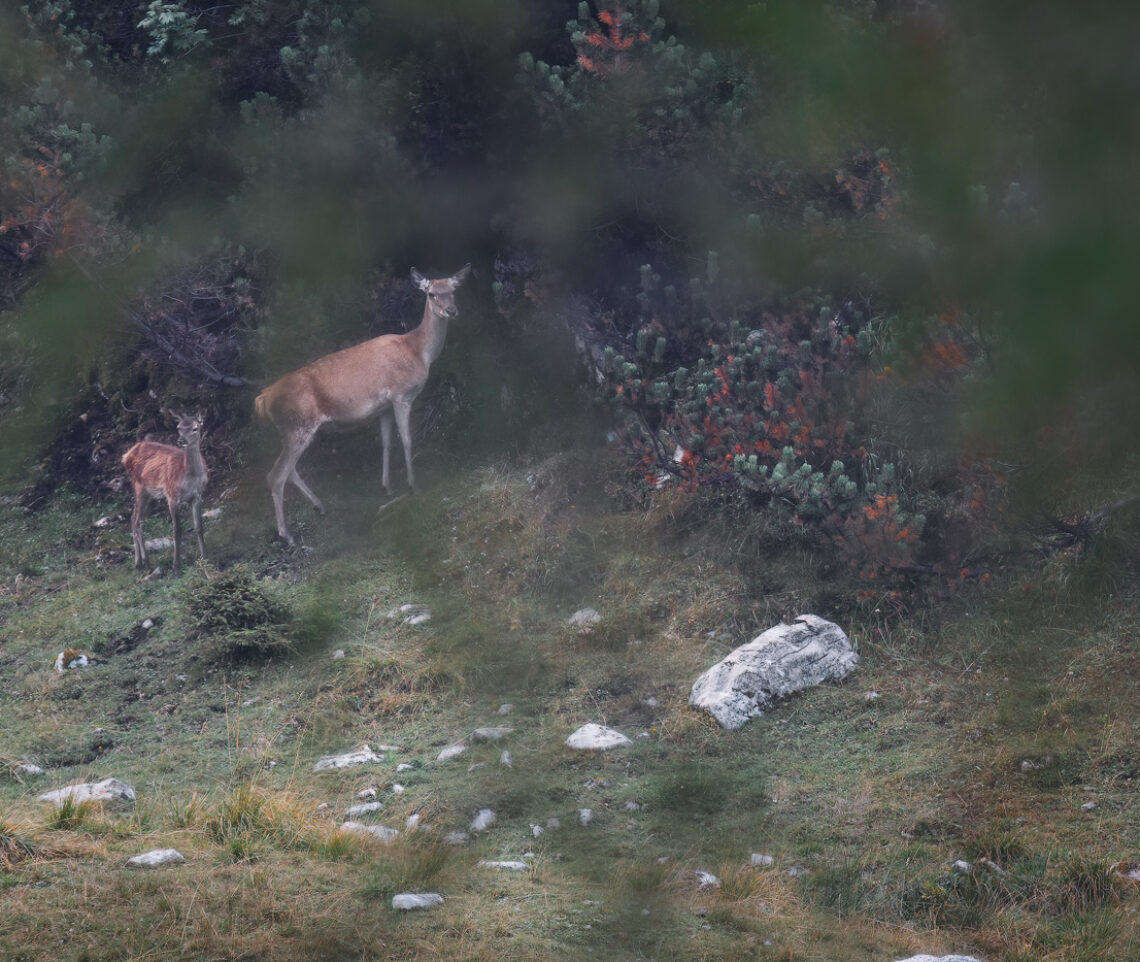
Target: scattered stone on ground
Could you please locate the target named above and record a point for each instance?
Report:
(159, 856)
(490, 734)
(484, 820)
(452, 751)
(362, 756)
(386, 835)
(406, 901)
(597, 738)
(108, 790)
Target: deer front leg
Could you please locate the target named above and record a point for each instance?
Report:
(196, 516)
(403, 413)
(177, 536)
(141, 560)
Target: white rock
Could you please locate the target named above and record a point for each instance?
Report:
(597, 737)
(160, 856)
(782, 660)
(456, 838)
(584, 618)
(1089, 806)
(405, 767)
(406, 901)
(159, 544)
(536, 830)
(108, 790)
(506, 866)
(585, 815)
(367, 793)
(413, 820)
(365, 808)
(452, 751)
(377, 831)
(961, 865)
(940, 958)
(490, 734)
(707, 878)
(362, 756)
(505, 760)
(506, 709)
(760, 860)
(27, 768)
(398, 789)
(338, 654)
(484, 820)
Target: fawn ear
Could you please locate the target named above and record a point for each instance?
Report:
(419, 280)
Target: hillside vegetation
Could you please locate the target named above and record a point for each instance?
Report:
(999, 728)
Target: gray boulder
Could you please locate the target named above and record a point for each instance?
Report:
(108, 790)
(782, 660)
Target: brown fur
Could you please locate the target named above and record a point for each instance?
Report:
(177, 474)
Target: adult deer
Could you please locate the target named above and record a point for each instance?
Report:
(385, 374)
(179, 474)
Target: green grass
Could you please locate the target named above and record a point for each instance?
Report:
(870, 800)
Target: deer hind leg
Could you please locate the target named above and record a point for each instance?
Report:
(386, 423)
(403, 415)
(141, 499)
(284, 470)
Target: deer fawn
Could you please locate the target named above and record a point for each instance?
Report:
(177, 473)
(384, 374)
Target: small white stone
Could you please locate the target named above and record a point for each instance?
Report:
(707, 878)
(386, 835)
(1089, 806)
(338, 654)
(505, 760)
(490, 734)
(398, 789)
(362, 756)
(452, 751)
(583, 618)
(365, 793)
(536, 830)
(760, 860)
(508, 866)
(160, 856)
(456, 838)
(406, 901)
(597, 738)
(483, 820)
(506, 709)
(27, 768)
(585, 816)
(365, 809)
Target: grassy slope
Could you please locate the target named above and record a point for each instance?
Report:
(874, 797)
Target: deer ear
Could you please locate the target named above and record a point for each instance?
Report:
(460, 275)
(419, 280)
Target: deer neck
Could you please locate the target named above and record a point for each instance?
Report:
(195, 466)
(429, 337)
